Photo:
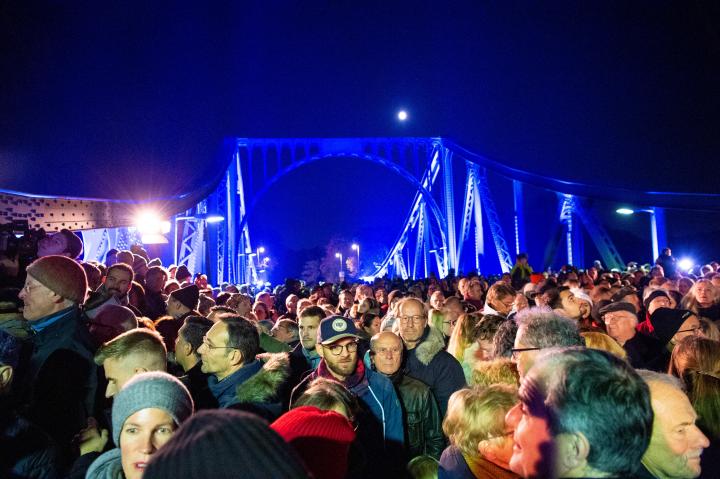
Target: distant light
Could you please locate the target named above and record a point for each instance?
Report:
(214, 218)
(402, 115)
(261, 250)
(148, 222)
(686, 264)
(624, 211)
(152, 227)
(338, 255)
(355, 247)
(153, 238)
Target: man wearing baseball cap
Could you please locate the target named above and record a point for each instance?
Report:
(381, 430)
(644, 352)
(60, 377)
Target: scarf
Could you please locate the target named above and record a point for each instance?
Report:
(107, 466)
(356, 383)
(481, 468)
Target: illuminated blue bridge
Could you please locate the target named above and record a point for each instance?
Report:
(468, 212)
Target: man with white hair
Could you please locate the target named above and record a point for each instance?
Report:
(676, 443)
(643, 351)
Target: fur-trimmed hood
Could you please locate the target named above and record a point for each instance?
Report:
(431, 343)
(264, 385)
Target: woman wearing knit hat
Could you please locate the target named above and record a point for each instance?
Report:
(145, 414)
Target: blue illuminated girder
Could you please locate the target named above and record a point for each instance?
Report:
(501, 246)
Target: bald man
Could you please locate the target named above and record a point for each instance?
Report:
(421, 415)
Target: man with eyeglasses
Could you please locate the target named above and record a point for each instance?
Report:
(427, 360)
(643, 351)
(539, 329)
(672, 325)
(238, 378)
(381, 430)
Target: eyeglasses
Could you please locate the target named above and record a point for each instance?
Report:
(696, 330)
(208, 345)
(411, 319)
(338, 348)
(516, 351)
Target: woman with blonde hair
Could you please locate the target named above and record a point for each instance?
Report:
(703, 299)
(472, 340)
(696, 361)
(480, 443)
(603, 342)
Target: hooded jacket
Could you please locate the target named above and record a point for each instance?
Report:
(379, 398)
(429, 363)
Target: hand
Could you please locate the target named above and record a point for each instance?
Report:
(91, 438)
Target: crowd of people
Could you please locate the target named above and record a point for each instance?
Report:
(132, 369)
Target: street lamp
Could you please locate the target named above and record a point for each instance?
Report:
(339, 255)
(356, 247)
(653, 227)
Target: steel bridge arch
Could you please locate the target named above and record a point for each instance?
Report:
(394, 167)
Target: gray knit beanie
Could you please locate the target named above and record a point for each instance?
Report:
(151, 390)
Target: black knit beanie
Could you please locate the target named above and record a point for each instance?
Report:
(667, 321)
(188, 296)
(221, 444)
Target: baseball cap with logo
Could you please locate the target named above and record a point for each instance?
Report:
(334, 328)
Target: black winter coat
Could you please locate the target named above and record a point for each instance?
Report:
(423, 424)
(430, 363)
(59, 378)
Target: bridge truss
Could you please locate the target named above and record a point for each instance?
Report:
(444, 229)
(454, 213)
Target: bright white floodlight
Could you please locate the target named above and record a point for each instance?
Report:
(686, 264)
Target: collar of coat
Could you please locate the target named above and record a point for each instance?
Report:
(431, 343)
(265, 383)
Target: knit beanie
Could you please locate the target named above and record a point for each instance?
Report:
(62, 276)
(667, 321)
(182, 273)
(150, 390)
(221, 444)
(310, 430)
(654, 294)
(188, 296)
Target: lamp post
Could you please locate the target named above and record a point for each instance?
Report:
(653, 227)
(342, 273)
(356, 247)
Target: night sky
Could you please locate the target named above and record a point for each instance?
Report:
(106, 100)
